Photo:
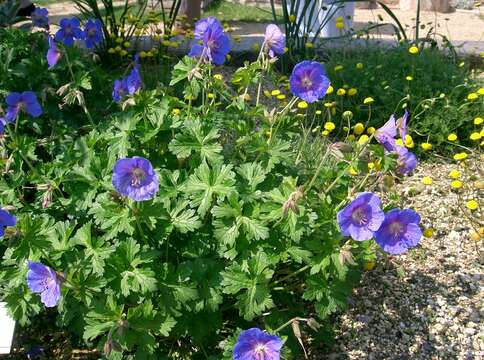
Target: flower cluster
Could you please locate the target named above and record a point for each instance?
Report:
(396, 231)
(406, 161)
(215, 44)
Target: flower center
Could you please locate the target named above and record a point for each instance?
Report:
(260, 351)
(396, 228)
(306, 82)
(359, 216)
(68, 30)
(138, 176)
(91, 32)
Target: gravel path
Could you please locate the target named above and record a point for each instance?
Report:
(427, 304)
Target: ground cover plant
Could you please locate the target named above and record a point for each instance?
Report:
(188, 219)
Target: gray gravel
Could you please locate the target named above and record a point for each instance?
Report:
(428, 303)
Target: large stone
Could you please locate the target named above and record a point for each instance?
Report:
(426, 5)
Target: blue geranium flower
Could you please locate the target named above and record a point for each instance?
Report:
(43, 280)
(93, 33)
(215, 44)
(120, 89)
(399, 231)
(17, 102)
(362, 217)
(40, 18)
(134, 177)
(133, 81)
(309, 81)
(53, 53)
(69, 30)
(255, 344)
(6, 219)
(274, 40)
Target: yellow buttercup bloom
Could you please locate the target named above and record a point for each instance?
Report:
(339, 19)
(413, 50)
(399, 142)
(427, 180)
(281, 97)
(338, 68)
(352, 92)
(318, 112)
(371, 130)
(475, 136)
(472, 96)
(480, 91)
(428, 232)
(341, 92)
(368, 101)
(359, 66)
(309, 45)
(351, 137)
(371, 165)
(292, 18)
(409, 141)
(359, 128)
(452, 137)
(340, 25)
(456, 184)
(219, 77)
(302, 105)
(363, 139)
(275, 92)
(353, 171)
(211, 95)
(460, 156)
(330, 90)
(267, 93)
(478, 121)
(408, 78)
(176, 111)
(472, 205)
(330, 126)
(454, 174)
(325, 133)
(426, 146)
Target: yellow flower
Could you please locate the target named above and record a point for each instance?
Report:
(292, 18)
(370, 130)
(413, 50)
(351, 137)
(228, 57)
(328, 104)
(176, 111)
(353, 171)
(368, 101)
(359, 66)
(426, 146)
(330, 126)
(427, 180)
(286, 49)
(472, 204)
(339, 19)
(111, 51)
(399, 142)
(341, 92)
(475, 136)
(409, 78)
(409, 142)
(476, 236)
(302, 105)
(478, 121)
(281, 97)
(371, 165)
(347, 115)
(267, 93)
(460, 156)
(318, 112)
(363, 139)
(456, 184)
(309, 45)
(359, 128)
(325, 133)
(218, 76)
(454, 174)
(211, 95)
(340, 25)
(428, 232)
(452, 137)
(352, 92)
(472, 96)
(480, 91)
(369, 265)
(330, 90)
(338, 68)
(275, 92)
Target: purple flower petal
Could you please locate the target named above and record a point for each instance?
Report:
(134, 177)
(255, 344)
(308, 81)
(43, 280)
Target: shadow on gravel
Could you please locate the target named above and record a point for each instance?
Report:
(393, 315)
